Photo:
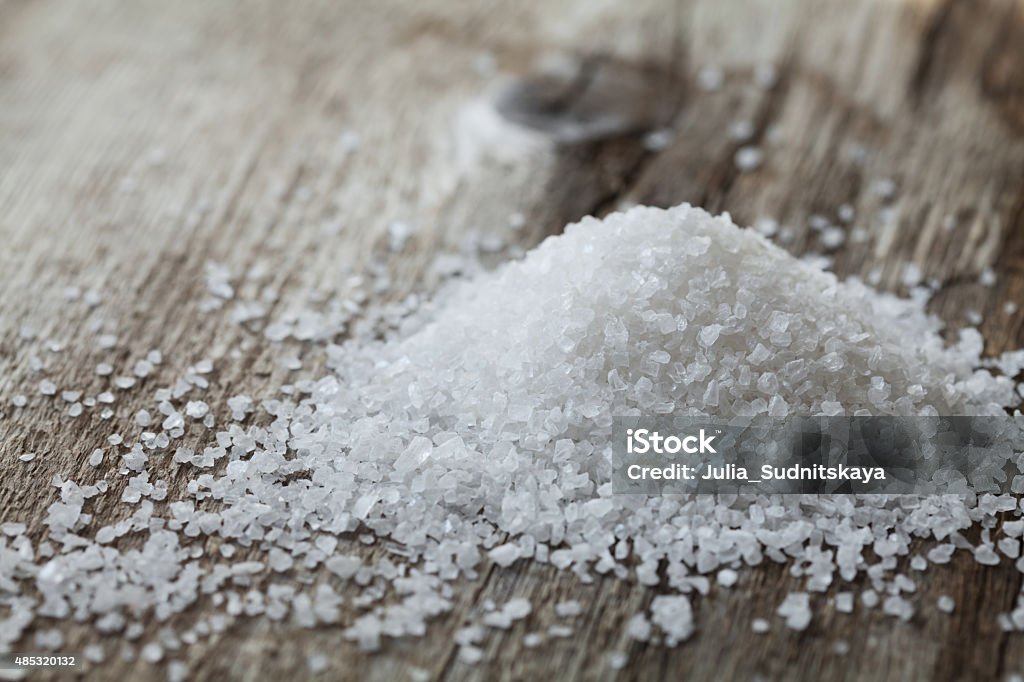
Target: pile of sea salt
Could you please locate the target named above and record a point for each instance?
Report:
(479, 431)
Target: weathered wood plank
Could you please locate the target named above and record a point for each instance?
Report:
(248, 107)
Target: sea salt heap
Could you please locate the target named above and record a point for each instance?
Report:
(497, 405)
(480, 430)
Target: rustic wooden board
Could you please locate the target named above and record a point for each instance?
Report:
(247, 108)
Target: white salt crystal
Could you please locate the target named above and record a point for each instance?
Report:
(49, 640)
(517, 608)
(639, 627)
(985, 555)
(710, 78)
(832, 238)
(767, 227)
(317, 663)
(727, 577)
(895, 605)
(741, 131)
(196, 409)
(883, 187)
(748, 158)
(945, 604)
(152, 652)
(911, 275)
(674, 616)
(658, 140)
(796, 610)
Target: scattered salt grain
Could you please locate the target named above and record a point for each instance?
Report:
(894, 605)
(317, 663)
(658, 140)
(639, 628)
(832, 238)
(106, 341)
(532, 640)
(727, 577)
(196, 409)
(748, 158)
(674, 615)
(710, 78)
(49, 640)
(142, 368)
(883, 187)
(742, 131)
(911, 275)
(152, 652)
(796, 610)
(560, 631)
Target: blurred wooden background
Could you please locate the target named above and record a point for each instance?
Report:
(140, 139)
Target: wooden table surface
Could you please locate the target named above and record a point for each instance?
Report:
(139, 140)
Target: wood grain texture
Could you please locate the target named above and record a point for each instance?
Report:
(248, 106)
